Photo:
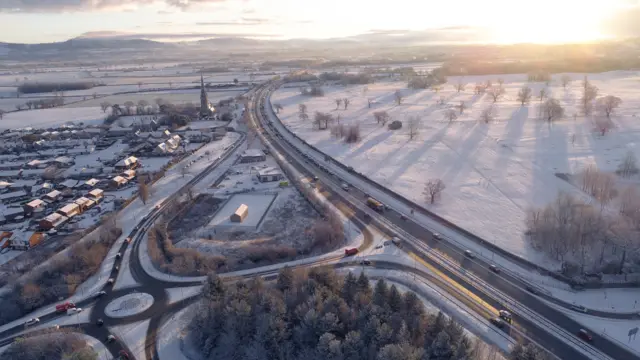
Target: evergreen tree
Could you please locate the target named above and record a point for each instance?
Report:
(441, 348)
(285, 279)
(394, 299)
(213, 288)
(349, 288)
(402, 351)
(380, 293)
(352, 346)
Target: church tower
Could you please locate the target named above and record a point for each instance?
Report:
(204, 101)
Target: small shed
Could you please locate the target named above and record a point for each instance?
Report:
(252, 155)
(270, 174)
(129, 163)
(240, 214)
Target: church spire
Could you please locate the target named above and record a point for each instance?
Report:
(204, 102)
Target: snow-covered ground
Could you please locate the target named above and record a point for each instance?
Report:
(170, 341)
(133, 335)
(180, 293)
(493, 172)
(42, 118)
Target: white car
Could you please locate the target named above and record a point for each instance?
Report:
(345, 186)
(73, 311)
(32, 321)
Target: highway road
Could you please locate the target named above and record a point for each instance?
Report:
(503, 282)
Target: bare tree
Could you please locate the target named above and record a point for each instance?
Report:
(143, 191)
(487, 115)
(381, 117)
(589, 93)
(413, 124)
(346, 102)
(94, 95)
(338, 103)
(451, 115)
(398, 97)
(369, 101)
(543, 94)
(565, 80)
(462, 107)
(104, 106)
(630, 204)
(495, 92)
(302, 112)
(143, 105)
(488, 84)
(433, 189)
(552, 110)
(29, 104)
(628, 166)
(18, 107)
(500, 81)
(139, 85)
(128, 106)
(278, 107)
(524, 95)
(159, 101)
(1, 114)
(480, 88)
(322, 120)
(608, 104)
(459, 86)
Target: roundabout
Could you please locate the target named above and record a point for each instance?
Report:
(128, 305)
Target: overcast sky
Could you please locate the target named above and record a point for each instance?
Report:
(35, 21)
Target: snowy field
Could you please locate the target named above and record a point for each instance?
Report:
(493, 172)
(55, 117)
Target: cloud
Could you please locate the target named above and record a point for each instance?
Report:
(53, 6)
(243, 21)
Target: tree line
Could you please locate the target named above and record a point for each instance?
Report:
(53, 344)
(46, 87)
(320, 315)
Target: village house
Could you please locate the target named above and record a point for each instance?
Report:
(96, 195)
(34, 206)
(128, 174)
(63, 161)
(129, 163)
(52, 196)
(52, 221)
(41, 189)
(25, 185)
(90, 184)
(13, 214)
(37, 164)
(70, 210)
(118, 182)
(67, 184)
(84, 203)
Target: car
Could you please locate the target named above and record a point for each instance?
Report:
(118, 256)
(379, 246)
(100, 294)
(531, 289)
(344, 186)
(494, 268)
(584, 335)
(117, 267)
(110, 281)
(56, 326)
(32, 321)
(505, 315)
(100, 322)
(403, 217)
(365, 262)
(469, 254)
(315, 178)
(111, 338)
(157, 207)
(128, 240)
(73, 311)
(579, 308)
(436, 236)
(497, 322)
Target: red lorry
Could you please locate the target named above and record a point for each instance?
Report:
(64, 307)
(349, 252)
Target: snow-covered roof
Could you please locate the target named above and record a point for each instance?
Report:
(69, 208)
(53, 194)
(69, 183)
(13, 195)
(96, 192)
(55, 219)
(269, 171)
(23, 183)
(128, 161)
(35, 203)
(252, 153)
(119, 179)
(63, 159)
(92, 182)
(129, 173)
(83, 201)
